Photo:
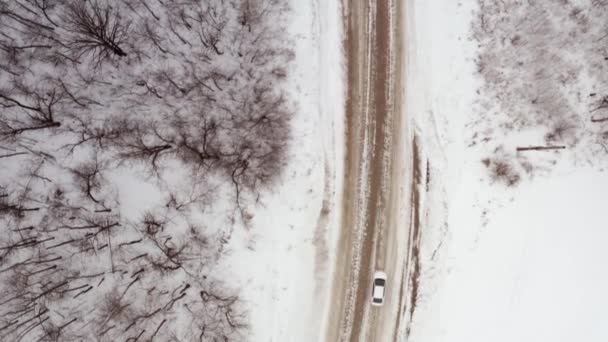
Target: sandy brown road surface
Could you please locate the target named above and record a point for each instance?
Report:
(375, 222)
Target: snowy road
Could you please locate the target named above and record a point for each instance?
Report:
(375, 222)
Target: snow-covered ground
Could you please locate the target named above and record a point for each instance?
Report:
(284, 261)
(499, 263)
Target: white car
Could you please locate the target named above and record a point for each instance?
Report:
(378, 288)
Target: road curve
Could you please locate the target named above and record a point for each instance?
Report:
(373, 231)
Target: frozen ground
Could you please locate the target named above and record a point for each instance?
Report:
(499, 263)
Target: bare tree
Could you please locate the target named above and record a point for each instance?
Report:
(89, 178)
(529, 83)
(201, 110)
(96, 29)
(39, 112)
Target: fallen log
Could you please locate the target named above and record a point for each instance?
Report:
(540, 148)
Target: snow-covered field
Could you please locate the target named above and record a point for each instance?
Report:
(499, 262)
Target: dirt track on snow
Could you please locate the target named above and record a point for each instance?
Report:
(375, 221)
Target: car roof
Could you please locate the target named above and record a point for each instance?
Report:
(379, 275)
(378, 292)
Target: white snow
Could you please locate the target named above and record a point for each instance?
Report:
(498, 264)
(536, 272)
(284, 261)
